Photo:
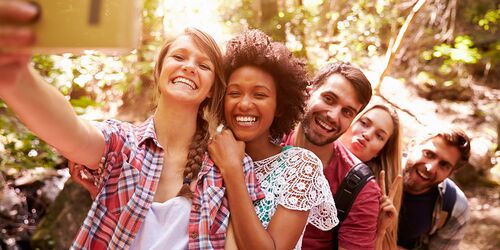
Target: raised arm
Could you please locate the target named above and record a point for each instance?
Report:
(40, 106)
(286, 225)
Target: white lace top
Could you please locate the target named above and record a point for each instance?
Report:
(294, 179)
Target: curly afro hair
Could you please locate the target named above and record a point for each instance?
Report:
(255, 48)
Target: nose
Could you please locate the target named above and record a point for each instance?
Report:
(368, 134)
(333, 114)
(188, 67)
(431, 166)
(245, 103)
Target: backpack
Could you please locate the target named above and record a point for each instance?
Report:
(349, 189)
(448, 202)
(449, 199)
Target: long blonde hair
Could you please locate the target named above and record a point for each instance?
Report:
(389, 160)
(210, 112)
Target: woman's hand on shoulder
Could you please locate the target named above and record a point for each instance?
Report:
(225, 151)
(84, 178)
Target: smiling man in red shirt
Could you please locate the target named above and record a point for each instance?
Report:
(337, 94)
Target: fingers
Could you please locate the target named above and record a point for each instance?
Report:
(389, 209)
(395, 187)
(13, 13)
(18, 11)
(86, 181)
(13, 36)
(218, 131)
(381, 182)
(224, 134)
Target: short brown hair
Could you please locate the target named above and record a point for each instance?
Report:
(352, 73)
(452, 136)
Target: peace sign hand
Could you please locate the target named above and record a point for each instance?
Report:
(388, 213)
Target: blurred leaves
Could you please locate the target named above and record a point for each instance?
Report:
(462, 51)
(21, 149)
(490, 19)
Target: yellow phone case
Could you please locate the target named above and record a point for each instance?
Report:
(109, 26)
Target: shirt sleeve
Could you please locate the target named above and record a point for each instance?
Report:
(450, 235)
(252, 184)
(359, 229)
(306, 188)
(112, 131)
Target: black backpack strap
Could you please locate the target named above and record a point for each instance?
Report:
(349, 189)
(449, 198)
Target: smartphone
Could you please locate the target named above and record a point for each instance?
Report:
(73, 26)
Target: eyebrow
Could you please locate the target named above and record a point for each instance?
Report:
(380, 129)
(184, 50)
(446, 162)
(337, 97)
(262, 86)
(383, 131)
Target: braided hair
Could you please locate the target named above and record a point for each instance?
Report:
(210, 112)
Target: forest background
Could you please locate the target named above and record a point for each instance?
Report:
(435, 61)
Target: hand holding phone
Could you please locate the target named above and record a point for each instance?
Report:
(13, 34)
(13, 16)
(109, 26)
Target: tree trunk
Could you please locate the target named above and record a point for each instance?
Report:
(396, 45)
(270, 22)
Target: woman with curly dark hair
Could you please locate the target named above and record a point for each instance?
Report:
(264, 100)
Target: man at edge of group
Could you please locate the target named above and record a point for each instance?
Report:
(337, 94)
(424, 221)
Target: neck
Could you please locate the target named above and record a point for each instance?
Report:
(259, 150)
(324, 152)
(175, 124)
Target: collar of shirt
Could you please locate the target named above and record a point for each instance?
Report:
(146, 131)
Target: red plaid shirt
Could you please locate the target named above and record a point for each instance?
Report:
(128, 176)
(209, 216)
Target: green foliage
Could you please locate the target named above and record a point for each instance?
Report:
(21, 149)
(462, 52)
(490, 19)
(323, 31)
(461, 59)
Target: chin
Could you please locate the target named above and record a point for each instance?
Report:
(243, 137)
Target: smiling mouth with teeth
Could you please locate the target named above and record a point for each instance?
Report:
(324, 125)
(185, 82)
(246, 120)
(423, 175)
